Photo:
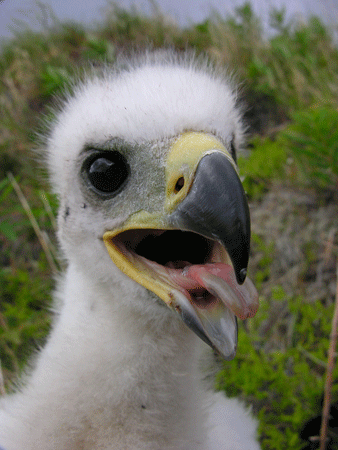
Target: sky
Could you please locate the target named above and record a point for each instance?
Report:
(184, 12)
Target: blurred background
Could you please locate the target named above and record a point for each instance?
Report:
(184, 12)
(284, 57)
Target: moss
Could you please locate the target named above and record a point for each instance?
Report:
(312, 139)
(283, 385)
(265, 164)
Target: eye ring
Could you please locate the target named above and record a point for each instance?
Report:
(106, 172)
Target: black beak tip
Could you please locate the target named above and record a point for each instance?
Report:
(241, 276)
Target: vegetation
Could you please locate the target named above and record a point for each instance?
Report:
(290, 172)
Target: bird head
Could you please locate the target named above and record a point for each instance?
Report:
(143, 160)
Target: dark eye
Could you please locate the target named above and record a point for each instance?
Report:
(107, 171)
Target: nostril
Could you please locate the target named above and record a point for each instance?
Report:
(179, 184)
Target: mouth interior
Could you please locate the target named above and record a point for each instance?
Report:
(169, 248)
(173, 250)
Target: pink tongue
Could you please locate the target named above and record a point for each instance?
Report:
(220, 280)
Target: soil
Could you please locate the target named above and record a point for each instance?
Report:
(304, 231)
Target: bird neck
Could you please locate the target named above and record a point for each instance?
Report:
(122, 320)
(109, 374)
(101, 349)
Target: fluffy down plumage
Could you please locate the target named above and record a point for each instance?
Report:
(120, 370)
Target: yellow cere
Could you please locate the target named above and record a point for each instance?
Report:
(182, 162)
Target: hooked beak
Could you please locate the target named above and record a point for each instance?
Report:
(194, 254)
(216, 207)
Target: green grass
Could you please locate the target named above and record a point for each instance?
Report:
(289, 84)
(312, 139)
(284, 381)
(26, 277)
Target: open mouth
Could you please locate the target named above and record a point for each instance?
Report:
(173, 251)
(198, 267)
(192, 274)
